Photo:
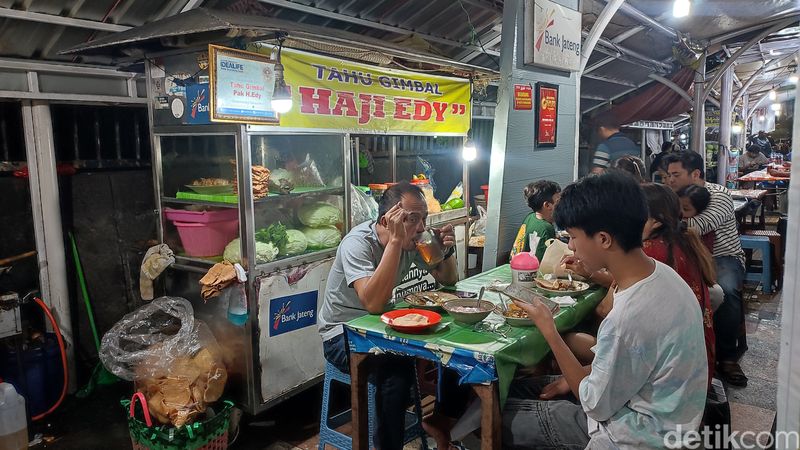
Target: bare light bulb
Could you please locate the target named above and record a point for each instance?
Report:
(772, 94)
(736, 129)
(681, 8)
(469, 152)
(794, 79)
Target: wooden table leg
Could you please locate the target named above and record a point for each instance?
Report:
(490, 416)
(358, 400)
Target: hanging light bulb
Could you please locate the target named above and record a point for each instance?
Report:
(682, 136)
(281, 95)
(772, 94)
(469, 152)
(761, 118)
(794, 79)
(775, 107)
(736, 128)
(681, 8)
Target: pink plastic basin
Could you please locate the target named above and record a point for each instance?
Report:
(182, 215)
(207, 239)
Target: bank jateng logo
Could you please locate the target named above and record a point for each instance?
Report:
(198, 105)
(549, 37)
(293, 312)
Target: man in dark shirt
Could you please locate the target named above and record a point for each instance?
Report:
(762, 142)
(614, 145)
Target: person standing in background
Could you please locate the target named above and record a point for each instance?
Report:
(615, 144)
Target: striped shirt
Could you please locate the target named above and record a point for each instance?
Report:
(613, 148)
(720, 218)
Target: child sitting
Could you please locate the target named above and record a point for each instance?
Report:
(542, 197)
(694, 200)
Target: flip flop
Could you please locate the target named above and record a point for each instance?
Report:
(731, 373)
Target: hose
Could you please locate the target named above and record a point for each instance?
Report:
(63, 350)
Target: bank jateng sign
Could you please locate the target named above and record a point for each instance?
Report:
(552, 35)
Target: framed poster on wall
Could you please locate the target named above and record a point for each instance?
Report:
(241, 85)
(546, 114)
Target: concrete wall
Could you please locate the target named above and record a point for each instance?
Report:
(515, 161)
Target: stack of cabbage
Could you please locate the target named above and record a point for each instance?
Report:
(320, 220)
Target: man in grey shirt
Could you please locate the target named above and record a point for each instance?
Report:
(370, 262)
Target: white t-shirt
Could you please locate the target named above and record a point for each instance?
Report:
(650, 372)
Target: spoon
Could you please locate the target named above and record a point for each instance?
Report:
(480, 297)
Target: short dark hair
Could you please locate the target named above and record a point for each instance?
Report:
(753, 149)
(690, 161)
(606, 120)
(539, 192)
(610, 202)
(394, 194)
(698, 196)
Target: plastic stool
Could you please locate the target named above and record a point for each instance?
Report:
(765, 275)
(776, 240)
(328, 425)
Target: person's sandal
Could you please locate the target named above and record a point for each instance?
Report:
(731, 373)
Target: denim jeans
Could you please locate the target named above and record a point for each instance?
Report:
(728, 318)
(394, 376)
(530, 423)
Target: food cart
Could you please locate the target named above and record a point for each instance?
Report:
(226, 165)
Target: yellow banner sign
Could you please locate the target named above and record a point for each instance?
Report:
(334, 94)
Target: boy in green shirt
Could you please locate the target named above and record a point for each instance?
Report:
(542, 198)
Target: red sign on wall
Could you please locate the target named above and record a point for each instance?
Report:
(547, 117)
(523, 97)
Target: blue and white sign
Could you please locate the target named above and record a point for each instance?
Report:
(552, 35)
(293, 312)
(241, 86)
(197, 105)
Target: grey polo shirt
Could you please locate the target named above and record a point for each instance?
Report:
(357, 257)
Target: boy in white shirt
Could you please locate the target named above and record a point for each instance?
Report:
(649, 373)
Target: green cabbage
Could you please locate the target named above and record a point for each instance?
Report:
(319, 214)
(265, 252)
(294, 244)
(322, 237)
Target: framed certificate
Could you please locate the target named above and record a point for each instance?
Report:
(241, 85)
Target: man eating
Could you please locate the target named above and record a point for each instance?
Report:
(370, 262)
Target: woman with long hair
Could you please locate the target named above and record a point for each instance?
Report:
(667, 239)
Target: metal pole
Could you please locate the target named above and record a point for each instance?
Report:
(745, 110)
(597, 31)
(644, 145)
(46, 209)
(393, 157)
(725, 125)
(698, 143)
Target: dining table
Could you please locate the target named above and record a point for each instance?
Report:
(484, 355)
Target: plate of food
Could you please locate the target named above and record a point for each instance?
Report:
(561, 286)
(211, 186)
(515, 316)
(411, 321)
(433, 301)
(469, 311)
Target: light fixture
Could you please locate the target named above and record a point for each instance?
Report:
(469, 152)
(772, 94)
(775, 107)
(793, 79)
(681, 8)
(761, 118)
(736, 128)
(281, 95)
(774, 52)
(682, 136)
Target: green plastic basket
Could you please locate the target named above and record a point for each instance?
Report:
(209, 434)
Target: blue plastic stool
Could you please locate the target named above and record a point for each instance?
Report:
(764, 276)
(328, 425)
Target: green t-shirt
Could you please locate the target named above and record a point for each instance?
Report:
(533, 224)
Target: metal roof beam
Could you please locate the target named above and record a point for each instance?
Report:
(594, 97)
(616, 48)
(82, 69)
(591, 38)
(621, 94)
(724, 37)
(491, 5)
(648, 63)
(775, 27)
(370, 24)
(191, 4)
(608, 80)
(641, 17)
(60, 20)
(469, 55)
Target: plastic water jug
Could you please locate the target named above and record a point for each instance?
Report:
(13, 424)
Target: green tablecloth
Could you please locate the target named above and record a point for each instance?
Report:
(478, 356)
